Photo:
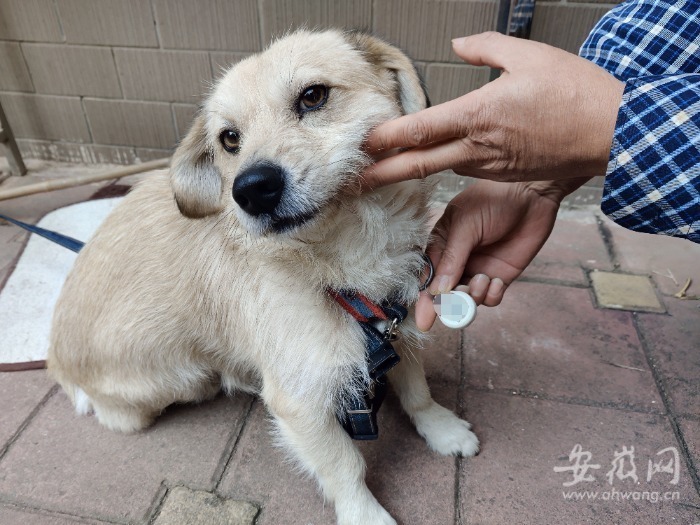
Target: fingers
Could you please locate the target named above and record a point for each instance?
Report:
(425, 313)
(455, 250)
(494, 50)
(435, 124)
(416, 164)
(486, 291)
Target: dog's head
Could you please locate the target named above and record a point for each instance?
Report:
(280, 137)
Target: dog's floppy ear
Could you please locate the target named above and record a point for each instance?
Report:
(196, 182)
(411, 93)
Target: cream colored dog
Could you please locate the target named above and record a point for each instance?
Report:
(216, 276)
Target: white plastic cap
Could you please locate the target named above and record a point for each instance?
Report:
(455, 309)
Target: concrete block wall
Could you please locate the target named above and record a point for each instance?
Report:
(118, 81)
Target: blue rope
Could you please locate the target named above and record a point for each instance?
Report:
(63, 240)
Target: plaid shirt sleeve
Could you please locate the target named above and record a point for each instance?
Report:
(653, 177)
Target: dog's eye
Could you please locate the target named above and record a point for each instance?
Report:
(312, 98)
(230, 140)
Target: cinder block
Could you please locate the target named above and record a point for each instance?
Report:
(76, 153)
(33, 20)
(142, 124)
(72, 70)
(105, 22)
(208, 24)
(14, 75)
(425, 28)
(167, 76)
(223, 60)
(281, 16)
(147, 155)
(564, 26)
(446, 82)
(45, 117)
(184, 115)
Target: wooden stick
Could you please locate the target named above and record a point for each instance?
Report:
(58, 184)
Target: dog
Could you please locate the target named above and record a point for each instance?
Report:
(216, 275)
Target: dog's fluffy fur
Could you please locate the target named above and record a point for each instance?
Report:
(181, 293)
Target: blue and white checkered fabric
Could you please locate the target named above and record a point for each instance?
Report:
(653, 178)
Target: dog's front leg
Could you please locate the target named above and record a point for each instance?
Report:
(309, 428)
(442, 429)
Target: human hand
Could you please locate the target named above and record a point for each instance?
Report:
(487, 236)
(550, 115)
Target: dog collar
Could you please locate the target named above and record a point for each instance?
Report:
(378, 322)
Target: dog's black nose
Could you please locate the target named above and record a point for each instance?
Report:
(259, 189)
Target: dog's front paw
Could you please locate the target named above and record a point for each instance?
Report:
(362, 509)
(445, 432)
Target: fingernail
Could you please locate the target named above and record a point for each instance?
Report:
(441, 285)
(496, 286)
(458, 41)
(478, 279)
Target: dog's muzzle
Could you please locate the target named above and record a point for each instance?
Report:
(259, 189)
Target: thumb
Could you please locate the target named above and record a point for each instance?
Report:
(488, 49)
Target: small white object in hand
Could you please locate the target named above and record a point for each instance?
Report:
(455, 309)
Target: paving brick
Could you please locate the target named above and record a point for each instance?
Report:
(66, 463)
(20, 392)
(123, 23)
(425, 28)
(441, 360)
(12, 516)
(564, 26)
(673, 344)
(196, 507)
(34, 20)
(575, 243)
(12, 241)
(281, 16)
(260, 472)
(145, 124)
(78, 153)
(513, 479)
(584, 196)
(221, 61)
(625, 292)
(399, 468)
(691, 433)
(184, 115)
(72, 70)
(446, 82)
(14, 75)
(45, 117)
(163, 75)
(208, 24)
(550, 341)
(657, 255)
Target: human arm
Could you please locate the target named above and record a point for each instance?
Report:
(652, 181)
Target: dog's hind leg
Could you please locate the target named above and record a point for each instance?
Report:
(444, 432)
(121, 416)
(309, 428)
